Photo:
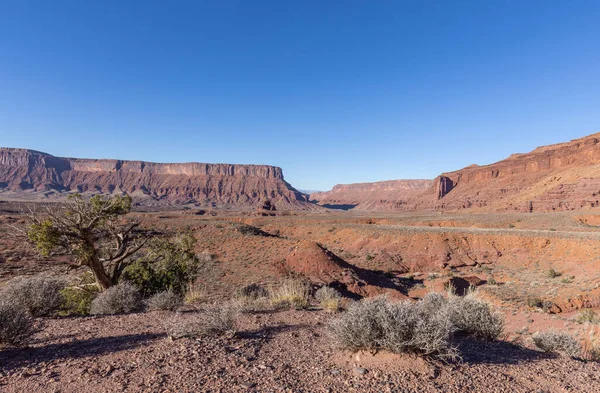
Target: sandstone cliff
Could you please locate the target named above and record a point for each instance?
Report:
(384, 195)
(24, 170)
(564, 176)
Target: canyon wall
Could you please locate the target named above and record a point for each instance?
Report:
(216, 185)
(384, 195)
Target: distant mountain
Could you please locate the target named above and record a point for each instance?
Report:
(245, 186)
(565, 176)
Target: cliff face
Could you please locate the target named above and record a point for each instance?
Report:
(564, 176)
(384, 195)
(206, 184)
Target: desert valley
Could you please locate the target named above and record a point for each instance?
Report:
(521, 236)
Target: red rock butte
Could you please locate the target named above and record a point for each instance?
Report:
(23, 170)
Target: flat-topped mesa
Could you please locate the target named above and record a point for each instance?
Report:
(564, 176)
(384, 195)
(205, 184)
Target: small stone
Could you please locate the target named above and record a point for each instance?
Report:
(360, 370)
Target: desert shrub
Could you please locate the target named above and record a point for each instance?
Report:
(377, 323)
(166, 300)
(551, 273)
(587, 316)
(76, 301)
(252, 292)
(329, 298)
(252, 298)
(591, 344)
(16, 324)
(119, 299)
(557, 342)
(535, 302)
(215, 320)
(171, 264)
(291, 293)
(475, 317)
(40, 296)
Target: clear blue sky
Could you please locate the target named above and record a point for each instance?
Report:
(332, 91)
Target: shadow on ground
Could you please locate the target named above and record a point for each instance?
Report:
(499, 352)
(22, 357)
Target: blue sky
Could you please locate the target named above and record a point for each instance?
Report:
(331, 91)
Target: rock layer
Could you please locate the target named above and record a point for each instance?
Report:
(564, 176)
(384, 195)
(24, 170)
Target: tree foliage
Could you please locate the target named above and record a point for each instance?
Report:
(169, 265)
(93, 231)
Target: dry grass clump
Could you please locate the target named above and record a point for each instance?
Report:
(557, 342)
(40, 296)
(291, 293)
(165, 300)
(591, 344)
(378, 324)
(329, 298)
(16, 324)
(475, 317)
(119, 299)
(587, 316)
(215, 320)
(252, 298)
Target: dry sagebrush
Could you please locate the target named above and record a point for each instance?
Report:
(40, 296)
(214, 320)
(329, 298)
(119, 299)
(379, 324)
(474, 317)
(557, 342)
(252, 298)
(16, 324)
(166, 300)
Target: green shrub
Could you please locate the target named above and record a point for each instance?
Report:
(551, 273)
(76, 301)
(169, 265)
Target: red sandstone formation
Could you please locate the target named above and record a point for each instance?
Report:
(24, 170)
(384, 195)
(564, 176)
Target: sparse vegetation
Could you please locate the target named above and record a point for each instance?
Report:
(166, 300)
(76, 301)
(535, 302)
(215, 320)
(474, 317)
(551, 273)
(587, 316)
(328, 298)
(40, 296)
(88, 230)
(16, 324)
(291, 293)
(557, 342)
(169, 265)
(379, 324)
(119, 299)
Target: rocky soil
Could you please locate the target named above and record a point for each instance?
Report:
(270, 352)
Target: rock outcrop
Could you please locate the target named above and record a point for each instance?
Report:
(217, 185)
(384, 195)
(564, 176)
